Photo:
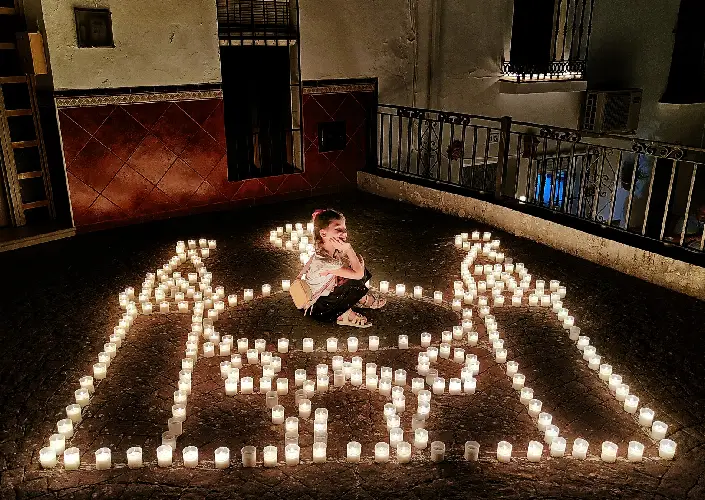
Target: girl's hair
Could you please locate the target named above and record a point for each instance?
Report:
(321, 220)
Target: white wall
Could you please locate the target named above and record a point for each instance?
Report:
(631, 46)
(461, 46)
(157, 42)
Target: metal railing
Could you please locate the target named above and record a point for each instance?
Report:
(550, 40)
(256, 19)
(648, 189)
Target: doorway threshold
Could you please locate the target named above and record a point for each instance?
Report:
(12, 238)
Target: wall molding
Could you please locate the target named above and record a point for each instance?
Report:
(133, 98)
(339, 88)
(673, 274)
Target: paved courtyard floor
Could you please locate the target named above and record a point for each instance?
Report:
(60, 304)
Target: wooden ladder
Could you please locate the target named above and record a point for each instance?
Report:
(26, 174)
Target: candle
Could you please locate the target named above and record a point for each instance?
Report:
(332, 344)
(635, 451)
(291, 454)
(614, 381)
(583, 342)
(224, 349)
(396, 436)
(208, 349)
(401, 290)
(291, 424)
(473, 338)
(178, 412)
(470, 384)
(248, 294)
(551, 433)
(319, 452)
(134, 457)
(403, 341)
(248, 455)
(622, 392)
(646, 417)
(454, 386)
(558, 447)
(535, 407)
(459, 355)
(353, 451)
(417, 384)
(504, 451)
(467, 313)
(265, 385)
(438, 451)
(512, 369)
(384, 286)
(444, 351)
(631, 402)
(65, 427)
(72, 458)
(299, 377)
(47, 457)
(175, 425)
(457, 304)
(500, 355)
(403, 452)
(277, 414)
(533, 300)
(322, 383)
(356, 377)
(418, 292)
(308, 345)
(381, 453)
(518, 380)
(420, 438)
(526, 395)
(338, 378)
(87, 383)
(609, 452)
(373, 342)
(231, 386)
(99, 371)
(439, 385)
(605, 371)
(73, 412)
(232, 300)
(658, 430)
(580, 448)
(305, 408)
(266, 290)
(534, 452)
(437, 297)
(252, 355)
(667, 449)
(544, 420)
(270, 456)
(594, 362)
(57, 442)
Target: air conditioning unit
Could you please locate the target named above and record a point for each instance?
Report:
(612, 111)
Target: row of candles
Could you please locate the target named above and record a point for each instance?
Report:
(403, 450)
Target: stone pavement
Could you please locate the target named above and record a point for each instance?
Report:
(61, 304)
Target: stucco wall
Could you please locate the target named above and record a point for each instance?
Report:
(157, 42)
(454, 55)
(673, 274)
(631, 46)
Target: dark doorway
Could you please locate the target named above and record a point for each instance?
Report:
(257, 106)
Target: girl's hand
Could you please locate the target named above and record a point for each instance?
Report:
(342, 246)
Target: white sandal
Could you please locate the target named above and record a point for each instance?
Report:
(356, 322)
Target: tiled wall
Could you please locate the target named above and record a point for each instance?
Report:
(134, 161)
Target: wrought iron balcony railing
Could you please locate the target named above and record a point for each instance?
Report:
(644, 190)
(257, 19)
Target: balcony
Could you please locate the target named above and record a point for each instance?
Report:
(549, 47)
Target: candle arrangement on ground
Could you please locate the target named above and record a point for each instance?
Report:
(252, 367)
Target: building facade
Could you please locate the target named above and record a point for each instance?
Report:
(166, 107)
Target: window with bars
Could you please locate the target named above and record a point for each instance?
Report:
(686, 79)
(260, 66)
(550, 39)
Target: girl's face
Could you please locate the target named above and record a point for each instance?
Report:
(336, 229)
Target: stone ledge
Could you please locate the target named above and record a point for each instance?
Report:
(648, 266)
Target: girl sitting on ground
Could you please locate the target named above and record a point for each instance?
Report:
(337, 274)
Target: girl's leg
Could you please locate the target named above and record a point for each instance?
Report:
(340, 300)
